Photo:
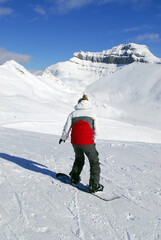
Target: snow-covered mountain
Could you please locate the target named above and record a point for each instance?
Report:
(79, 73)
(117, 87)
(33, 110)
(122, 54)
(26, 98)
(128, 93)
(85, 68)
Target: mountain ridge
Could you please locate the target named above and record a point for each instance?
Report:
(90, 66)
(121, 54)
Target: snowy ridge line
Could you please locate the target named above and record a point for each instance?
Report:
(121, 54)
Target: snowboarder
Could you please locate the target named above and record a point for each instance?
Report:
(82, 124)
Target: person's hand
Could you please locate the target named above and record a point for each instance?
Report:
(61, 141)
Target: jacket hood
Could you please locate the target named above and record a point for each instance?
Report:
(84, 104)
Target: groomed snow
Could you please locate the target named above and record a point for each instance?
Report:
(35, 205)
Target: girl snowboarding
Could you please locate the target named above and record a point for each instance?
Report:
(82, 125)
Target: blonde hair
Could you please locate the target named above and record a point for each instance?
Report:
(85, 97)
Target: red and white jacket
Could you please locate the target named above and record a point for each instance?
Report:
(82, 123)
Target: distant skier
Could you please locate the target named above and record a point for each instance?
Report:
(82, 124)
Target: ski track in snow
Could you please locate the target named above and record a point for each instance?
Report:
(35, 205)
(73, 208)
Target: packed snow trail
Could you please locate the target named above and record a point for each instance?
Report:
(35, 205)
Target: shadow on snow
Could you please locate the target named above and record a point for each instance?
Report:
(29, 165)
(39, 168)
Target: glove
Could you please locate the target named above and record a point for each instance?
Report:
(61, 141)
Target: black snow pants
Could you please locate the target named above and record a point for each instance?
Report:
(92, 154)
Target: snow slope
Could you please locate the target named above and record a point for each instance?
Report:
(27, 99)
(35, 205)
(79, 73)
(43, 102)
(132, 94)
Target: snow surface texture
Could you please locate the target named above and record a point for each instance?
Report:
(35, 205)
(33, 109)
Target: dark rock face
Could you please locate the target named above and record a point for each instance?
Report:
(123, 54)
(122, 59)
(125, 59)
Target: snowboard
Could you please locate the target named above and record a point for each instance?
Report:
(84, 188)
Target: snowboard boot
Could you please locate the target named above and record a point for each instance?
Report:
(93, 187)
(74, 179)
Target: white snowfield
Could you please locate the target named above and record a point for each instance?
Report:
(33, 109)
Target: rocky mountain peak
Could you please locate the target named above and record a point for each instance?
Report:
(121, 54)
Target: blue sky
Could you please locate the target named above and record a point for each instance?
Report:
(41, 33)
